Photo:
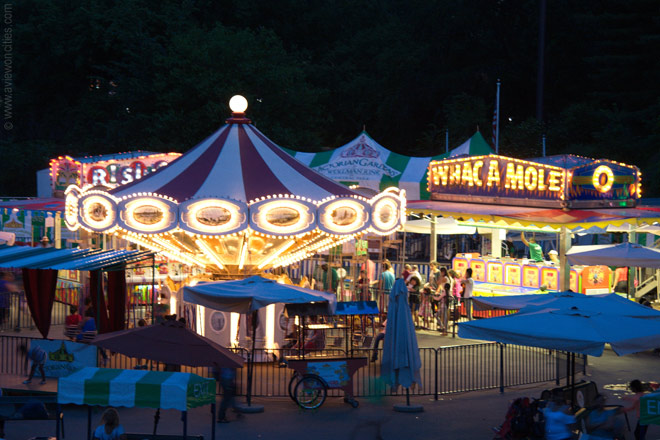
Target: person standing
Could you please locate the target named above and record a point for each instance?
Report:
(468, 287)
(37, 356)
(407, 268)
(379, 337)
(620, 282)
(414, 287)
(362, 287)
(386, 283)
(535, 251)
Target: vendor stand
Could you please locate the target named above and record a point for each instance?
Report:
(558, 195)
(137, 389)
(314, 374)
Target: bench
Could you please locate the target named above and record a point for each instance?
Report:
(161, 437)
(11, 406)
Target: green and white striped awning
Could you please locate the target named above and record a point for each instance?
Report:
(136, 388)
(367, 164)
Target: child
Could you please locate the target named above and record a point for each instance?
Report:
(110, 429)
(38, 356)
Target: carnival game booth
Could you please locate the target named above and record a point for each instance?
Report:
(553, 195)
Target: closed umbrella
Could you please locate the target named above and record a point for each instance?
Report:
(401, 361)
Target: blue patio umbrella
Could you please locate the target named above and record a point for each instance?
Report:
(401, 360)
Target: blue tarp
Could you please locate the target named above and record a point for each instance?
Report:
(26, 257)
(609, 303)
(573, 330)
(357, 308)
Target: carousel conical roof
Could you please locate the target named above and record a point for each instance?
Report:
(237, 162)
(236, 203)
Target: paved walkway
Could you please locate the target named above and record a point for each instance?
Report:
(461, 416)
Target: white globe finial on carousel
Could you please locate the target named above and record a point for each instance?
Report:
(238, 104)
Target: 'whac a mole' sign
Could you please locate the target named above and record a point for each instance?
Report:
(554, 181)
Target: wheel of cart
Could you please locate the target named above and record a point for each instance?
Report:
(295, 377)
(310, 391)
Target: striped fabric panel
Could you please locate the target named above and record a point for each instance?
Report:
(71, 389)
(148, 389)
(97, 387)
(122, 389)
(174, 390)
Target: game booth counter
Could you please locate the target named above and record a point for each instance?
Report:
(560, 195)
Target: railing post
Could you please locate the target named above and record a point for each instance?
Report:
(436, 350)
(501, 367)
(584, 364)
(556, 367)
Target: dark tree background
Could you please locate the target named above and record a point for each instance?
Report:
(95, 77)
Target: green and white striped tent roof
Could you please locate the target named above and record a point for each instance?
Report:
(366, 163)
(136, 388)
(475, 146)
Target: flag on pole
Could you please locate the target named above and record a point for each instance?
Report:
(494, 127)
(496, 121)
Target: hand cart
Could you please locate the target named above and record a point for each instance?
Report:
(316, 375)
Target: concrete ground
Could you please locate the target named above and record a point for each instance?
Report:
(457, 416)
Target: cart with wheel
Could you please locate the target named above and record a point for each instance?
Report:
(314, 376)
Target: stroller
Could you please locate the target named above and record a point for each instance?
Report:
(523, 420)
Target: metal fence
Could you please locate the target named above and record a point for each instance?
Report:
(15, 314)
(445, 370)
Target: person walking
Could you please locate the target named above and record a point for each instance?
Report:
(226, 377)
(37, 356)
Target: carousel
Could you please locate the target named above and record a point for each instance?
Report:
(236, 205)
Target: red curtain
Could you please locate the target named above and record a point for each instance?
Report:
(117, 299)
(98, 301)
(40, 287)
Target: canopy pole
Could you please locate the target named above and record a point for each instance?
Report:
(564, 268)
(251, 360)
(89, 422)
(184, 417)
(434, 240)
(153, 289)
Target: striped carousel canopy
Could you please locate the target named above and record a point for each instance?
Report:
(237, 203)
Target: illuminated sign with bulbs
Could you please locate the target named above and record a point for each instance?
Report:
(107, 171)
(504, 180)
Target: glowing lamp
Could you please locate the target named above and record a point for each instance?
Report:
(238, 104)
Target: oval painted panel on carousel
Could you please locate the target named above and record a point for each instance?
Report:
(213, 216)
(147, 214)
(388, 212)
(97, 211)
(285, 216)
(344, 216)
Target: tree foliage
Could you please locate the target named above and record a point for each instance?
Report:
(101, 76)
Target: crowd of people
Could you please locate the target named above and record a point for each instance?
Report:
(432, 300)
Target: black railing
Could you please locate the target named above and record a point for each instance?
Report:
(15, 315)
(445, 370)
